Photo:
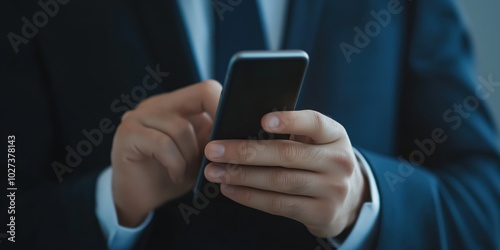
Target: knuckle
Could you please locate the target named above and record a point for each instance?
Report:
(276, 205)
(281, 206)
(246, 197)
(312, 154)
(289, 183)
(241, 153)
(287, 152)
(341, 128)
(183, 127)
(338, 186)
(131, 115)
(226, 178)
(279, 178)
(240, 176)
(125, 132)
(211, 83)
(234, 169)
(246, 152)
(210, 87)
(121, 130)
(286, 118)
(342, 190)
(124, 115)
(338, 128)
(345, 162)
(163, 142)
(317, 119)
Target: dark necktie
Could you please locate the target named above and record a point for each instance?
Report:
(240, 28)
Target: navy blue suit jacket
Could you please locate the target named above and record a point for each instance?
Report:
(395, 88)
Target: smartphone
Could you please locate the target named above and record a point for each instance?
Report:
(257, 82)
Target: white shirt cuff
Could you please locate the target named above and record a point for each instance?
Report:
(362, 232)
(117, 237)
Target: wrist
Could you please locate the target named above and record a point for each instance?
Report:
(130, 212)
(362, 197)
(128, 217)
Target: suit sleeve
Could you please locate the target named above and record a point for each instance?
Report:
(48, 214)
(116, 235)
(441, 190)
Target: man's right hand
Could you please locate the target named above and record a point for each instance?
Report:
(157, 149)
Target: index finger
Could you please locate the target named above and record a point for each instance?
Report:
(194, 99)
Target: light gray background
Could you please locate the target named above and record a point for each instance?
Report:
(483, 18)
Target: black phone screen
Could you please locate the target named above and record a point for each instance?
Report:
(253, 88)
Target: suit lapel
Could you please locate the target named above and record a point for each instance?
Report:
(302, 24)
(167, 41)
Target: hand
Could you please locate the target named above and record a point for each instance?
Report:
(157, 149)
(313, 178)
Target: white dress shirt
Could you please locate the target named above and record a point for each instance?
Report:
(198, 20)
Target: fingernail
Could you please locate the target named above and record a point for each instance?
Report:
(216, 171)
(227, 189)
(273, 121)
(216, 150)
